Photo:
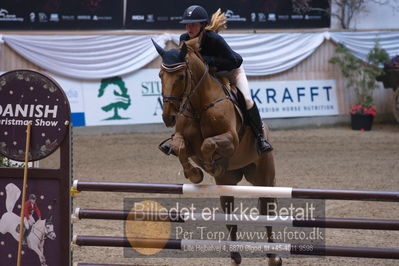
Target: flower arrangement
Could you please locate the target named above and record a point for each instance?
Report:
(359, 109)
(361, 75)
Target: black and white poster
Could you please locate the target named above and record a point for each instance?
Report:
(61, 14)
(241, 14)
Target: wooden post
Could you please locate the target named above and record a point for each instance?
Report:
(21, 224)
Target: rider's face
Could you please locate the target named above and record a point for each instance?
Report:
(193, 29)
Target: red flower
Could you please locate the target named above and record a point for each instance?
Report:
(359, 109)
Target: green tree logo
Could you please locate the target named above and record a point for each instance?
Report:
(122, 99)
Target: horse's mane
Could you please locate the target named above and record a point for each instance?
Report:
(193, 44)
(218, 22)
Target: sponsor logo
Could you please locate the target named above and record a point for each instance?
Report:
(84, 17)
(310, 17)
(5, 16)
(150, 18)
(232, 17)
(153, 89)
(138, 17)
(163, 18)
(296, 16)
(97, 18)
(68, 17)
(176, 18)
(32, 17)
(253, 17)
(54, 17)
(117, 97)
(42, 17)
(283, 17)
(261, 17)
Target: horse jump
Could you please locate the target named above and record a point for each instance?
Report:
(225, 190)
(260, 220)
(267, 247)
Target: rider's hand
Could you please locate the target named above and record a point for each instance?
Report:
(30, 222)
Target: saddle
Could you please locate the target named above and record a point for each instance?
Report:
(235, 96)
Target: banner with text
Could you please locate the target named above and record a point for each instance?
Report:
(136, 99)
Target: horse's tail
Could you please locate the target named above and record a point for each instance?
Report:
(13, 193)
(218, 22)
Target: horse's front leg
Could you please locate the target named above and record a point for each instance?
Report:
(41, 248)
(39, 252)
(194, 174)
(223, 145)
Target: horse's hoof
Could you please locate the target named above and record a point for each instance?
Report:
(219, 171)
(275, 261)
(197, 176)
(236, 257)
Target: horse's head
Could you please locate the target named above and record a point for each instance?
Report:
(175, 79)
(49, 229)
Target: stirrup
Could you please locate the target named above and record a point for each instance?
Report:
(166, 148)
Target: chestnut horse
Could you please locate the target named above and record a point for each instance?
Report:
(210, 130)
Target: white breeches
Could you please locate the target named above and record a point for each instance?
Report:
(26, 222)
(237, 77)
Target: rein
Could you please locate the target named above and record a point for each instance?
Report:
(183, 106)
(186, 98)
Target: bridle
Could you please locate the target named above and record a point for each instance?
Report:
(176, 101)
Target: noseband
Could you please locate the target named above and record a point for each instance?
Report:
(173, 100)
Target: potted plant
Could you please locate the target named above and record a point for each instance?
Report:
(361, 77)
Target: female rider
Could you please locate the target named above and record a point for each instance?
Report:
(218, 54)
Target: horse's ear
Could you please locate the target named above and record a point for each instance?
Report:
(183, 51)
(159, 48)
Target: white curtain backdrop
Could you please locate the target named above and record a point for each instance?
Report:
(89, 57)
(360, 43)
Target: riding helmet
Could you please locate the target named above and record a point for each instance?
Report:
(32, 196)
(194, 14)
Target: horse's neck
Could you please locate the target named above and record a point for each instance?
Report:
(208, 90)
(39, 223)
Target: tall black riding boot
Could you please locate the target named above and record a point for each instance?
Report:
(255, 123)
(166, 147)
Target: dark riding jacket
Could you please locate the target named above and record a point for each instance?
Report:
(216, 51)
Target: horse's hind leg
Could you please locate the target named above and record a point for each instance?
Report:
(263, 206)
(227, 203)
